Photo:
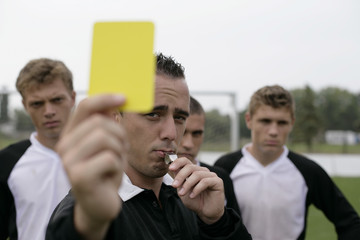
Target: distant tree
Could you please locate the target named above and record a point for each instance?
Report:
(23, 121)
(357, 120)
(4, 104)
(339, 109)
(244, 131)
(217, 127)
(308, 123)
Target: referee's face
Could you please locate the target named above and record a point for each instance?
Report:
(270, 128)
(152, 135)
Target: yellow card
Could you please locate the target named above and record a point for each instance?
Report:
(123, 62)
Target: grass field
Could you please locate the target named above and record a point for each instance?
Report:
(5, 141)
(319, 228)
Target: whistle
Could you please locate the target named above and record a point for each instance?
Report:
(169, 158)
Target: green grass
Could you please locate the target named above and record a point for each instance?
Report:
(319, 228)
(5, 140)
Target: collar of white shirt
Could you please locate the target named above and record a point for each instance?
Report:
(127, 190)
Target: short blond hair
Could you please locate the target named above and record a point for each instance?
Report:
(43, 71)
(274, 96)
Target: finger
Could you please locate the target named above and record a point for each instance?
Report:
(185, 167)
(212, 183)
(179, 163)
(193, 180)
(185, 172)
(175, 167)
(96, 180)
(87, 149)
(100, 166)
(95, 132)
(95, 104)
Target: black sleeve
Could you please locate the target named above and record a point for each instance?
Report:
(229, 161)
(9, 156)
(327, 197)
(335, 206)
(61, 225)
(231, 201)
(5, 203)
(229, 227)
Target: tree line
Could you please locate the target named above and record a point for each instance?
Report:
(331, 108)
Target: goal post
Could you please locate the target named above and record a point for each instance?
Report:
(226, 104)
(221, 133)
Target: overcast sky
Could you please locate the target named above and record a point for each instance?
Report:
(229, 45)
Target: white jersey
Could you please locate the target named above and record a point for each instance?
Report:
(270, 196)
(38, 183)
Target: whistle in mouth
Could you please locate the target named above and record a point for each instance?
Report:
(169, 158)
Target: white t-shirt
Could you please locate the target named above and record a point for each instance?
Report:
(38, 183)
(272, 198)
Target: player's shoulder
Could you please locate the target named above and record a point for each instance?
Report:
(214, 169)
(11, 154)
(229, 160)
(304, 163)
(17, 148)
(298, 158)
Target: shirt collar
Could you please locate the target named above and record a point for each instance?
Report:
(40, 147)
(127, 190)
(197, 161)
(251, 160)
